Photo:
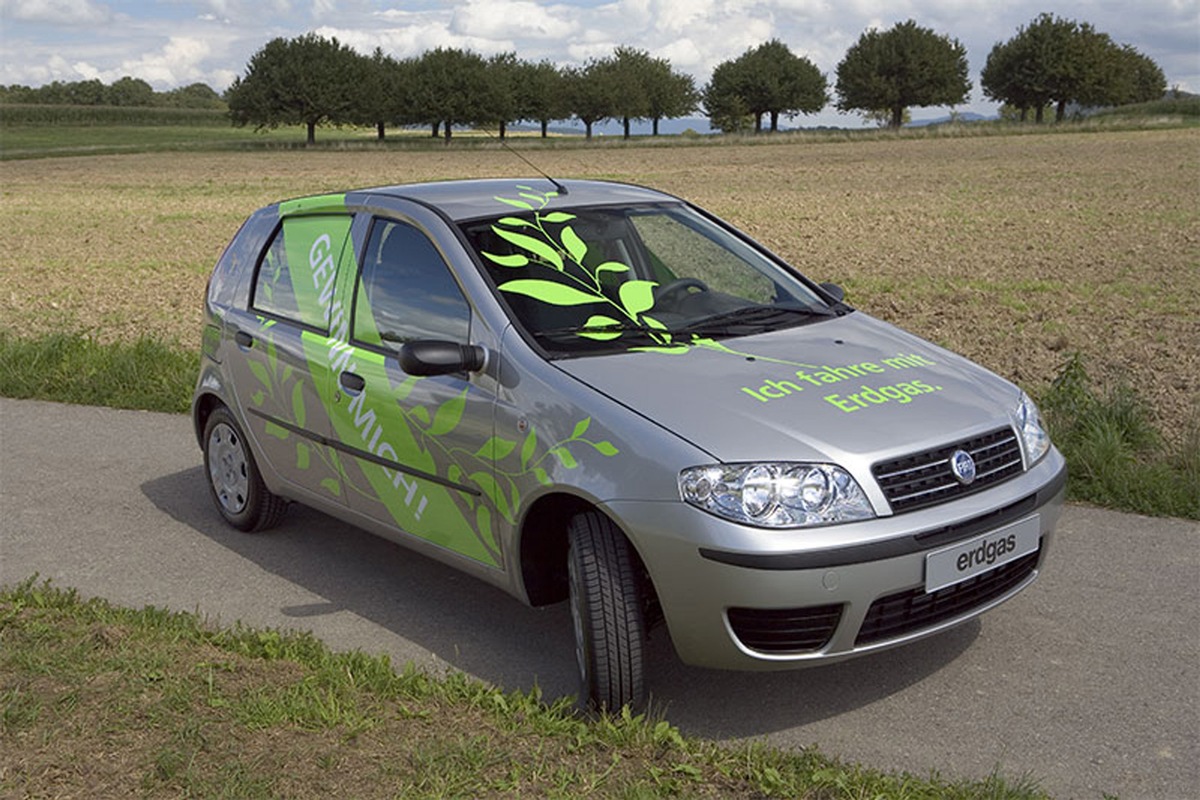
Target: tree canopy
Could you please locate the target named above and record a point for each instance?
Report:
(1059, 61)
(768, 79)
(905, 66)
(307, 80)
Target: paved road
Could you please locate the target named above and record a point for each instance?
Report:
(1089, 681)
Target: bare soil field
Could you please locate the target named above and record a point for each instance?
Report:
(1015, 251)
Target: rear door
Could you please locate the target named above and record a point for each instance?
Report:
(282, 377)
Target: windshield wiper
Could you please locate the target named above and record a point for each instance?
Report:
(576, 331)
(751, 319)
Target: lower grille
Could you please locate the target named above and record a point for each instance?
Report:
(785, 630)
(913, 610)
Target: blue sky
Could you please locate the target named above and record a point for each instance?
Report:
(172, 43)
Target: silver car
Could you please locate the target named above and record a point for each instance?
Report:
(599, 393)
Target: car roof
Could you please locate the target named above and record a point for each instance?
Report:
(472, 199)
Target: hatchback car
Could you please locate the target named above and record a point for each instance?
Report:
(600, 393)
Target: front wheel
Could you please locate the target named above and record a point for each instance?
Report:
(233, 478)
(607, 611)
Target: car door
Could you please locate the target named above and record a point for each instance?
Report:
(281, 375)
(421, 447)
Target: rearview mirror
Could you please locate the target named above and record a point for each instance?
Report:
(431, 357)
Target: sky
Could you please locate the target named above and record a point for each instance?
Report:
(173, 43)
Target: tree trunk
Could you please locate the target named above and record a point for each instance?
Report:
(545, 128)
(503, 130)
(774, 122)
(587, 126)
(655, 126)
(625, 121)
(897, 117)
(379, 131)
(446, 131)
(1061, 112)
(312, 133)
(1040, 115)
(437, 126)
(757, 122)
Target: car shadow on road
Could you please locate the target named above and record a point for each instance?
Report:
(480, 630)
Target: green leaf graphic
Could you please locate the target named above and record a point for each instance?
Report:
(260, 372)
(492, 490)
(515, 222)
(496, 448)
(581, 427)
(606, 448)
(557, 217)
(421, 414)
(528, 448)
(575, 246)
(516, 203)
(600, 321)
(483, 521)
(258, 397)
(542, 477)
(448, 415)
(302, 456)
(611, 266)
(565, 458)
(332, 486)
(276, 431)
(514, 260)
(557, 294)
(637, 296)
(535, 246)
(298, 411)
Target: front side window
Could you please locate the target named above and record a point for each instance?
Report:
(593, 280)
(406, 291)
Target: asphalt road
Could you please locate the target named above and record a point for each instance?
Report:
(1089, 681)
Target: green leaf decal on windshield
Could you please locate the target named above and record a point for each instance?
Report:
(514, 260)
(535, 246)
(557, 294)
(637, 296)
(575, 246)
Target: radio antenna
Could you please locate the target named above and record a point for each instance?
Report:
(561, 189)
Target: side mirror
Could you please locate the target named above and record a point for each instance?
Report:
(430, 357)
(834, 291)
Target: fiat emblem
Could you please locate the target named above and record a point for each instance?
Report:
(963, 467)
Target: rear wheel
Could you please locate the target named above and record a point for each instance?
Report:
(607, 611)
(233, 478)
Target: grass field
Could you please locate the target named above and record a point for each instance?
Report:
(1015, 251)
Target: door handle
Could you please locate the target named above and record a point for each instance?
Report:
(243, 339)
(351, 382)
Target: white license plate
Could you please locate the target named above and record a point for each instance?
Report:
(965, 560)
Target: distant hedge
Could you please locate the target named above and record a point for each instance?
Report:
(20, 114)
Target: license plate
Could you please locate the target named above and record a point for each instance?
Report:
(965, 560)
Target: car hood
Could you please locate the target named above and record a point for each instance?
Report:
(841, 390)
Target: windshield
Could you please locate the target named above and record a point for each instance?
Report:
(592, 280)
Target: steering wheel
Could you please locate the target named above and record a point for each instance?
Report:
(678, 287)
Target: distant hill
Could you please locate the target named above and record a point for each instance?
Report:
(965, 116)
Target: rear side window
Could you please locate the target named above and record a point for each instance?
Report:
(406, 291)
(298, 271)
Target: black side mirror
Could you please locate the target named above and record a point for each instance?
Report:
(431, 357)
(834, 291)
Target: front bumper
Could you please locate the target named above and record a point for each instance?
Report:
(737, 597)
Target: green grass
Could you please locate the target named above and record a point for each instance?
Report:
(74, 368)
(1115, 455)
(104, 701)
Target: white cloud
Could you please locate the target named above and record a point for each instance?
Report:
(56, 12)
(513, 19)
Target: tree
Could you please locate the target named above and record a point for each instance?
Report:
(723, 102)
(130, 92)
(768, 79)
(541, 94)
(505, 72)
(194, 95)
(902, 67)
(671, 94)
(307, 81)
(385, 94)
(1059, 61)
(592, 93)
(455, 87)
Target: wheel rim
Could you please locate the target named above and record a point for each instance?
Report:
(227, 468)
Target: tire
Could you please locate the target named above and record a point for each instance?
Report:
(234, 481)
(608, 615)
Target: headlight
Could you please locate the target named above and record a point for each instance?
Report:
(776, 495)
(1037, 441)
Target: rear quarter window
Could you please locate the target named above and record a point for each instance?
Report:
(298, 270)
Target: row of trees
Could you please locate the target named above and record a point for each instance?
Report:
(312, 80)
(125, 92)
